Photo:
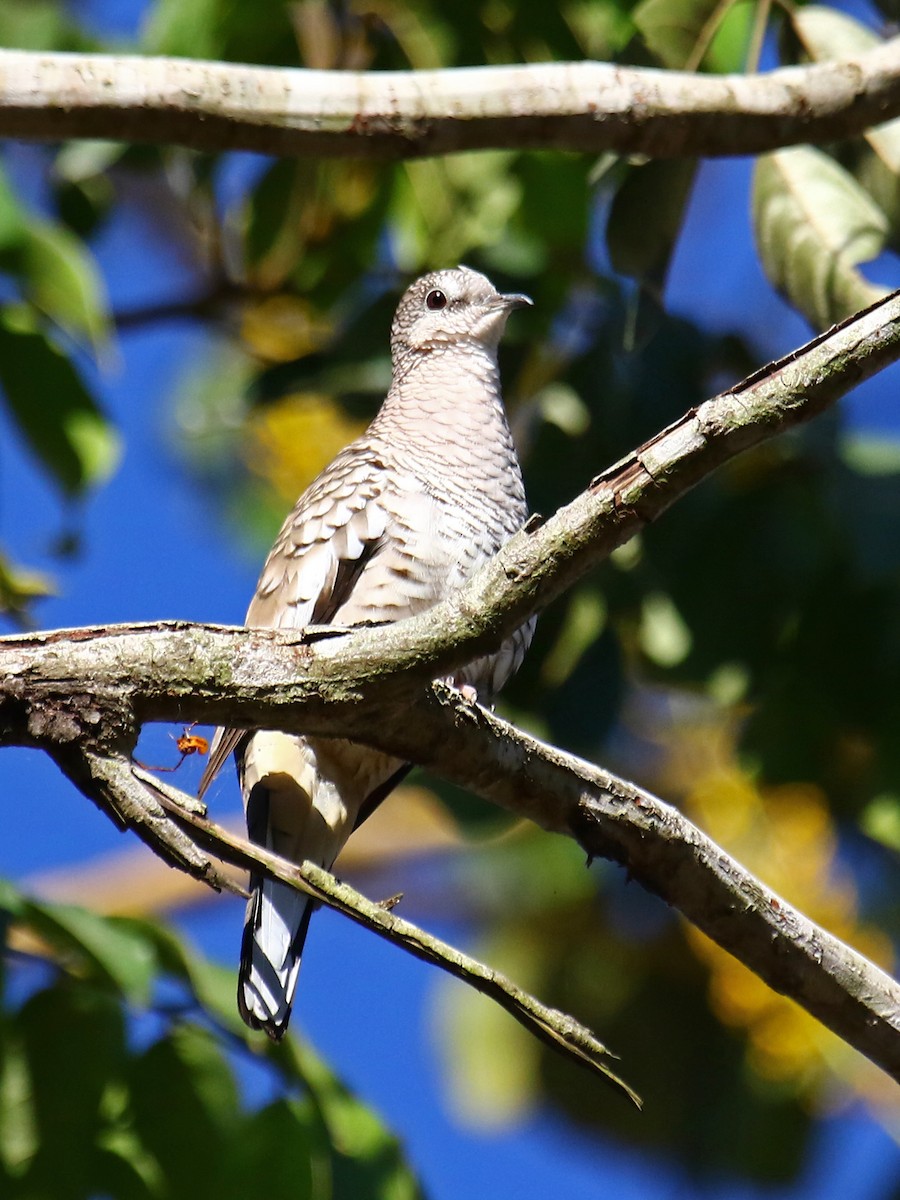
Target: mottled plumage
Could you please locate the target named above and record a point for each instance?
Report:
(401, 518)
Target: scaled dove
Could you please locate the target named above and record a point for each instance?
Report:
(400, 519)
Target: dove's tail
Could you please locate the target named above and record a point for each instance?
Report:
(274, 933)
(302, 803)
(295, 811)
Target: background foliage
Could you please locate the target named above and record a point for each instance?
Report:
(742, 658)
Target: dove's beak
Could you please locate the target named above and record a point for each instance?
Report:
(516, 300)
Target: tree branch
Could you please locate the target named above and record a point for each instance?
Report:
(324, 679)
(84, 691)
(555, 1028)
(612, 818)
(585, 106)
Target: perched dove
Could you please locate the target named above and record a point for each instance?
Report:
(401, 518)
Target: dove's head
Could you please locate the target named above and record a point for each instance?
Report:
(454, 306)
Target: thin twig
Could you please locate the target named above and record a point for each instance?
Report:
(556, 1028)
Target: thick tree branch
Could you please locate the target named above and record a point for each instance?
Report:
(584, 106)
(83, 692)
(325, 679)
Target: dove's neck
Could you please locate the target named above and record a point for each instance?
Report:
(444, 421)
(457, 384)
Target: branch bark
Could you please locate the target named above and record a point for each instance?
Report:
(557, 1029)
(321, 679)
(614, 819)
(583, 106)
(84, 692)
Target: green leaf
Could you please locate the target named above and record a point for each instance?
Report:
(276, 1155)
(730, 48)
(645, 219)
(56, 270)
(880, 820)
(18, 1126)
(54, 411)
(19, 586)
(368, 1159)
(113, 947)
(680, 32)
(185, 1110)
(11, 901)
(492, 1064)
(73, 1034)
(181, 29)
(212, 986)
(664, 637)
(35, 25)
(813, 225)
(79, 161)
(261, 32)
(62, 280)
(13, 219)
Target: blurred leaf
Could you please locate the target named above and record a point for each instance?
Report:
(56, 270)
(70, 1033)
(491, 1062)
(114, 947)
(36, 25)
(679, 32)
(731, 45)
(813, 225)
(218, 29)
(880, 820)
(368, 1160)
(83, 206)
(86, 159)
(290, 441)
(62, 280)
(190, 30)
(11, 901)
(870, 455)
(185, 1107)
(18, 1126)
(275, 1156)
(213, 986)
(14, 219)
(20, 587)
(646, 217)
(283, 328)
(272, 236)
(664, 637)
(165, 1120)
(54, 411)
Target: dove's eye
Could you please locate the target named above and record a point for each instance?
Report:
(435, 300)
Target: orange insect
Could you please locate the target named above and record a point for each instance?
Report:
(188, 743)
(192, 743)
